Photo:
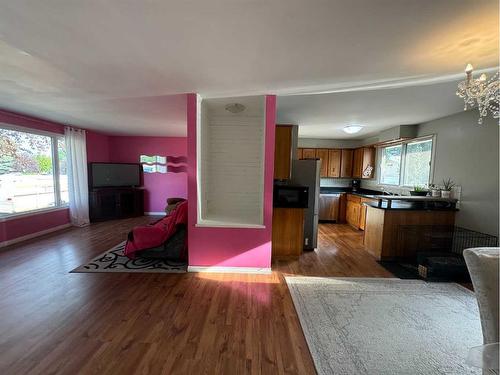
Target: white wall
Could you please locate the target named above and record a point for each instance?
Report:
(468, 154)
(231, 162)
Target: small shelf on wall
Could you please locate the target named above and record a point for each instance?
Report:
(231, 163)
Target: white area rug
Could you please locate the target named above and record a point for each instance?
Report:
(386, 326)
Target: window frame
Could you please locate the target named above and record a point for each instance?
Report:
(403, 161)
(58, 205)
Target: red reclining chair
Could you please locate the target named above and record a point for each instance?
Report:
(165, 238)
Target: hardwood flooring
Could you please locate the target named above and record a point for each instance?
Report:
(54, 322)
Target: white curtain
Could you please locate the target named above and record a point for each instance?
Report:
(76, 149)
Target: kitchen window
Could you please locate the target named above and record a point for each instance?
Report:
(407, 164)
(33, 172)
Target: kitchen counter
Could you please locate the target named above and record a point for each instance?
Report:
(414, 205)
(396, 202)
(339, 190)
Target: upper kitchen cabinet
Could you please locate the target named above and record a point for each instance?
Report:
(300, 153)
(357, 163)
(334, 164)
(283, 152)
(363, 162)
(309, 153)
(346, 163)
(322, 154)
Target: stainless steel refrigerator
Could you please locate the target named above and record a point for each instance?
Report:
(306, 173)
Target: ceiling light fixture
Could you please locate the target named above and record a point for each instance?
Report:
(235, 107)
(351, 129)
(481, 92)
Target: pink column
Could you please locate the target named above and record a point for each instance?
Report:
(230, 247)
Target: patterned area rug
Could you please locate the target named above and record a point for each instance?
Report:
(113, 260)
(386, 326)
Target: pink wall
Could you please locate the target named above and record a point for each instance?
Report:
(97, 147)
(22, 226)
(17, 227)
(30, 122)
(158, 186)
(230, 247)
(103, 148)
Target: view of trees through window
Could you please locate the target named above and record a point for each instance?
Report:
(413, 159)
(418, 163)
(27, 171)
(390, 165)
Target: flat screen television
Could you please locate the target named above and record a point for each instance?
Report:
(115, 175)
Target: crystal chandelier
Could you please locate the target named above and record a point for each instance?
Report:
(481, 92)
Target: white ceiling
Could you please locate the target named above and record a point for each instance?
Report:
(118, 65)
(324, 115)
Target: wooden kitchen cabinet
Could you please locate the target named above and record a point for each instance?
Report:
(341, 163)
(346, 163)
(356, 211)
(283, 152)
(353, 210)
(309, 153)
(288, 232)
(357, 163)
(334, 158)
(322, 154)
(363, 158)
(300, 153)
(352, 214)
(368, 161)
(342, 208)
(362, 213)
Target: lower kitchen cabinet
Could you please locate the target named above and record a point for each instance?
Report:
(353, 209)
(356, 211)
(288, 232)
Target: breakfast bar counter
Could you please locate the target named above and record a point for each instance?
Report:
(386, 218)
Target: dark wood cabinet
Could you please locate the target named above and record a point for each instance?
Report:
(283, 152)
(115, 203)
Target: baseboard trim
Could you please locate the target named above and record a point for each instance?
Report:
(33, 235)
(217, 269)
(161, 213)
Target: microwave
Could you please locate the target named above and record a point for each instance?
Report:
(290, 196)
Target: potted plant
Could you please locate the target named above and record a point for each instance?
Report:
(419, 191)
(435, 190)
(448, 185)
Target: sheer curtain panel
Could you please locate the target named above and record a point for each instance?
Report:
(77, 176)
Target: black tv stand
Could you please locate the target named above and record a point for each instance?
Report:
(115, 203)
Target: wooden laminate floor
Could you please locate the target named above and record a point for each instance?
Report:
(54, 322)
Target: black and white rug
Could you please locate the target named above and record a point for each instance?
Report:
(113, 260)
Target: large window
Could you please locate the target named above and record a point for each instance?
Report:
(406, 164)
(33, 174)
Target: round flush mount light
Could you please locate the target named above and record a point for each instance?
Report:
(235, 107)
(351, 129)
